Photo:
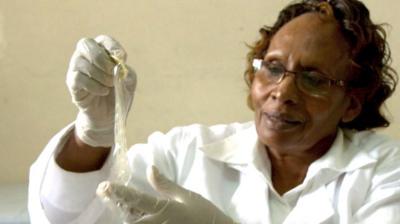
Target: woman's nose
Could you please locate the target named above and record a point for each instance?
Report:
(286, 90)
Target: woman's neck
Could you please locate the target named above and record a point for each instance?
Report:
(289, 167)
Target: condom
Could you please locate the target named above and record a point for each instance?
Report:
(120, 171)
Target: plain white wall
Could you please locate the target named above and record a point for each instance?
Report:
(189, 56)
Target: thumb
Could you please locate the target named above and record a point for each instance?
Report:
(166, 187)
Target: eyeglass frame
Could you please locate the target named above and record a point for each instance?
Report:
(258, 63)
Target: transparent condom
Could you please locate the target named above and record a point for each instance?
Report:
(120, 168)
(120, 171)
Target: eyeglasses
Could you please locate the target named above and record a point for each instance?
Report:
(311, 82)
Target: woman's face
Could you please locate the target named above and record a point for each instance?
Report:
(288, 119)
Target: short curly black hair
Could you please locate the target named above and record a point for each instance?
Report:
(375, 80)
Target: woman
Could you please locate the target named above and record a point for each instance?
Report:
(317, 78)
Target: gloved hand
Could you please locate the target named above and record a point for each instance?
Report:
(90, 82)
(176, 206)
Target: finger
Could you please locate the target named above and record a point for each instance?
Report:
(166, 187)
(130, 199)
(112, 46)
(83, 65)
(82, 98)
(78, 81)
(95, 54)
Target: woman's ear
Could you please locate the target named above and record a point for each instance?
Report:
(353, 109)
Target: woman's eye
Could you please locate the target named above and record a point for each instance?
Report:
(275, 70)
(314, 79)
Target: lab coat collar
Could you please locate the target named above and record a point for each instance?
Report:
(241, 148)
(241, 151)
(312, 208)
(345, 155)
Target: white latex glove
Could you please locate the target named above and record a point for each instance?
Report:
(90, 82)
(176, 206)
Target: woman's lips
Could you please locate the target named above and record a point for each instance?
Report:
(281, 121)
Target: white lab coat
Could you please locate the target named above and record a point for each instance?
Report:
(356, 181)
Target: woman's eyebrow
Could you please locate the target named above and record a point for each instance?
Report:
(274, 54)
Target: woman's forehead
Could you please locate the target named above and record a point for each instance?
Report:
(311, 42)
(310, 34)
(311, 29)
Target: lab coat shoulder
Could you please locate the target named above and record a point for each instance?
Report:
(37, 173)
(382, 199)
(375, 144)
(382, 149)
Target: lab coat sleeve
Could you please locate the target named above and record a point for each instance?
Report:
(50, 186)
(382, 204)
(172, 153)
(59, 196)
